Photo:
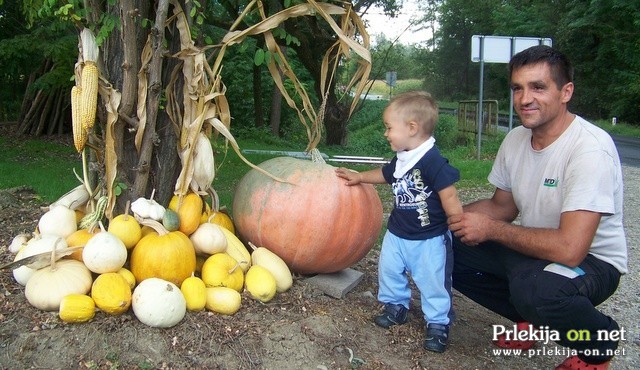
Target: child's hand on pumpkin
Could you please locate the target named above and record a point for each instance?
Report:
(352, 177)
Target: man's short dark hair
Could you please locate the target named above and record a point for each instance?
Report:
(561, 68)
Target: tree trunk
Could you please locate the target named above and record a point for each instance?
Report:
(276, 111)
(336, 116)
(156, 165)
(257, 96)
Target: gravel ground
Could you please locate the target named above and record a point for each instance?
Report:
(624, 305)
(301, 329)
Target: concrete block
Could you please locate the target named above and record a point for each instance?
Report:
(337, 284)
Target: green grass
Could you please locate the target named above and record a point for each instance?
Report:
(380, 87)
(45, 166)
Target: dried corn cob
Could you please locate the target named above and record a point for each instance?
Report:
(89, 100)
(79, 132)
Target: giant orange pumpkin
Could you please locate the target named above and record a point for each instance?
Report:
(313, 221)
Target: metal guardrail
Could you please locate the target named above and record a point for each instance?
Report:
(335, 158)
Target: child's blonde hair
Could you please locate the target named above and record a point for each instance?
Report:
(418, 106)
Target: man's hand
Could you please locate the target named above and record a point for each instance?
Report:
(352, 177)
(472, 228)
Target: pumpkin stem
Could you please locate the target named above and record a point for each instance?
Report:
(236, 266)
(101, 226)
(253, 246)
(153, 192)
(53, 254)
(155, 225)
(316, 156)
(215, 200)
(126, 210)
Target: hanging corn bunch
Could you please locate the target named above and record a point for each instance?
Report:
(79, 133)
(84, 95)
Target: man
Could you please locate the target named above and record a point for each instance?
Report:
(562, 175)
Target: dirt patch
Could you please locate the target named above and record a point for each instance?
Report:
(300, 329)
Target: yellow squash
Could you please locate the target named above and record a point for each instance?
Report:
(111, 293)
(76, 308)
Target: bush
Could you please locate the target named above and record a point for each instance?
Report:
(446, 131)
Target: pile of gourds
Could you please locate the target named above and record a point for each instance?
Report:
(159, 262)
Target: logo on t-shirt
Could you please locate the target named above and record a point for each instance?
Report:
(551, 183)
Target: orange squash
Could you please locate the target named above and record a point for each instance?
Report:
(313, 221)
(163, 254)
(221, 218)
(79, 239)
(189, 211)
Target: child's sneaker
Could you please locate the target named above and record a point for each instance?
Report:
(394, 314)
(436, 337)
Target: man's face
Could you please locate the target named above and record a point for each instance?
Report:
(536, 98)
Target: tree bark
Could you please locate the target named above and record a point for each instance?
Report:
(149, 137)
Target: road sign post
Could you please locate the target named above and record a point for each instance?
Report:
(391, 79)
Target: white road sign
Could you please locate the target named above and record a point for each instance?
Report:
(498, 49)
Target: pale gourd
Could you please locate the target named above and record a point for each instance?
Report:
(260, 284)
(18, 242)
(195, 293)
(223, 300)
(158, 303)
(111, 293)
(237, 250)
(37, 245)
(58, 220)
(208, 239)
(104, 252)
(79, 239)
(261, 256)
(49, 285)
(76, 308)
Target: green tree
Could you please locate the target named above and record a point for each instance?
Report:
(455, 76)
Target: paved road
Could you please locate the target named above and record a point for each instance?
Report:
(628, 149)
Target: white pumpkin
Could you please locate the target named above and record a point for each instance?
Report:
(148, 208)
(58, 220)
(46, 288)
(158, 303)
(37, 245)
(104, 252)
(18, 242)
(208, 239)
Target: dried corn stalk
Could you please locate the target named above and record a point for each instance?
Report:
(350, 24)
(204, 109)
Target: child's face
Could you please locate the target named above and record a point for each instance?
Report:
(397, 131)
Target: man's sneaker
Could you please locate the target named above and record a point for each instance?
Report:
(436, 338)
(503, 342)
(575, 363)
(394, 314)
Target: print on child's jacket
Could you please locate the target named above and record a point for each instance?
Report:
(410, 193)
